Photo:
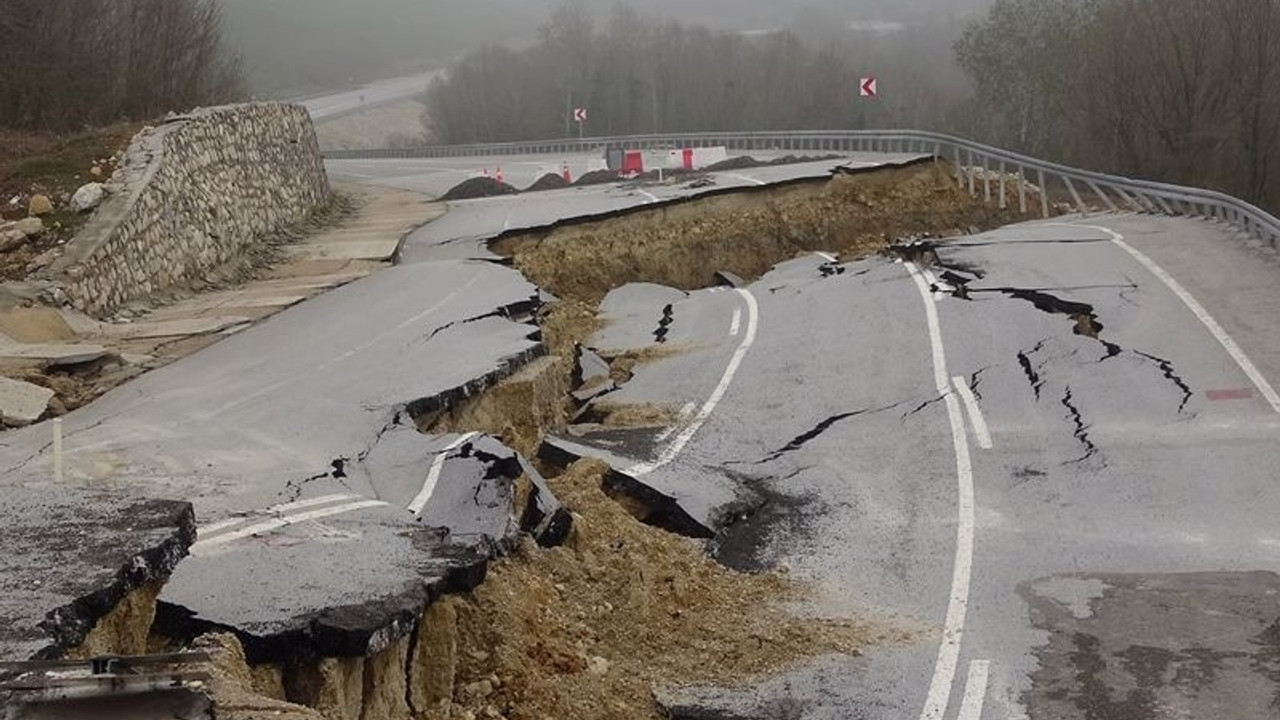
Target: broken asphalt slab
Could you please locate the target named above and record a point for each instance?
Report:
(372, 566)
(22, 403)
(71, 556)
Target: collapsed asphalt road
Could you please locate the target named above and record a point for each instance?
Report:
(1037, 443)
(278, 436)
(1027, 444)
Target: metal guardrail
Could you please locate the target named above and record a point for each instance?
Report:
(978, 166)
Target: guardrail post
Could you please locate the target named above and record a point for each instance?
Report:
(1022, 189)
(1044, 196)
(973, 188)
(1075, 195)
(1105, 199)
(986, 178)
(959, 167)
(1004, 181)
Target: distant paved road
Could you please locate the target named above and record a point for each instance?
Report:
(326, 107)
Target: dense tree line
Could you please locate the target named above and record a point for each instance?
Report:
(1186, 91)
(637, 74)
(72, 63)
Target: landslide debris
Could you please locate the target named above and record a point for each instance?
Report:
(588, 630)
(746, 232)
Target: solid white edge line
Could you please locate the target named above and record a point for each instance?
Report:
(745, 178)
(976, 418)
(1233, 349)
(826, 256)
(944, 670)
(214, 528)
(736, 325)
(672, 450)
(651, 196)
(975, 691)
(433, 475)
(269, 525)
(685, 412)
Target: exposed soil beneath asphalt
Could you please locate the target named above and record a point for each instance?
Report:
(589, 629)
(746, 233)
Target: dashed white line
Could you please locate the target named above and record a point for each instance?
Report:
(976, 418)
(944, 670)
(204, 546)
(1233, 349)
(433, 475)
(975, 691)
(736, 325)
(672, 450)
(826, 256)
(651, 196)
(208, 531)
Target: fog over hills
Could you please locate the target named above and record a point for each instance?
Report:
(298, 46)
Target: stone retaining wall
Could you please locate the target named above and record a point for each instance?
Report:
(191, 196)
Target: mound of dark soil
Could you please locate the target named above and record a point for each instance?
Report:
(478, 187)
(741, 162)
(550, 181)
(598, 177)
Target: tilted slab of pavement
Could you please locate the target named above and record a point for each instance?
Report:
(265, 423)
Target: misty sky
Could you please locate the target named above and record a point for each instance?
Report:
(295, 46)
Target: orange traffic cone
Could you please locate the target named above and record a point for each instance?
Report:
(567, 176)
(486, 172)
(499, 173)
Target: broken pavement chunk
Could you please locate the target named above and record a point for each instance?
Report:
(726, 278)
(648, 505)
(22, 403)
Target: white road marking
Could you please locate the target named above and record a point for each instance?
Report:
(672, 450)
(685, 412)
(979, 422)
(744, 178)
(736, 325)
(826, 256)
(203, 546)
(975, 691)
(433, 475)
(1233, 349)
(944, 671)
(651, 196)
(207, 531)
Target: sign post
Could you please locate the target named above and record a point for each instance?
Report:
(869, 88)
(580, 117)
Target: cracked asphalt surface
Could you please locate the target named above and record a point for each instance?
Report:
(1131, 456)
(1122, 525)
(293, 441)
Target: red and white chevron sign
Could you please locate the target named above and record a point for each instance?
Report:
(580, 115)
(869, 87)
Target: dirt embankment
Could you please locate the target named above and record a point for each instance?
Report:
(747, 233)
(587, 630)
(52, 166)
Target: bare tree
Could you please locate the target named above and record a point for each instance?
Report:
(69, 63)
